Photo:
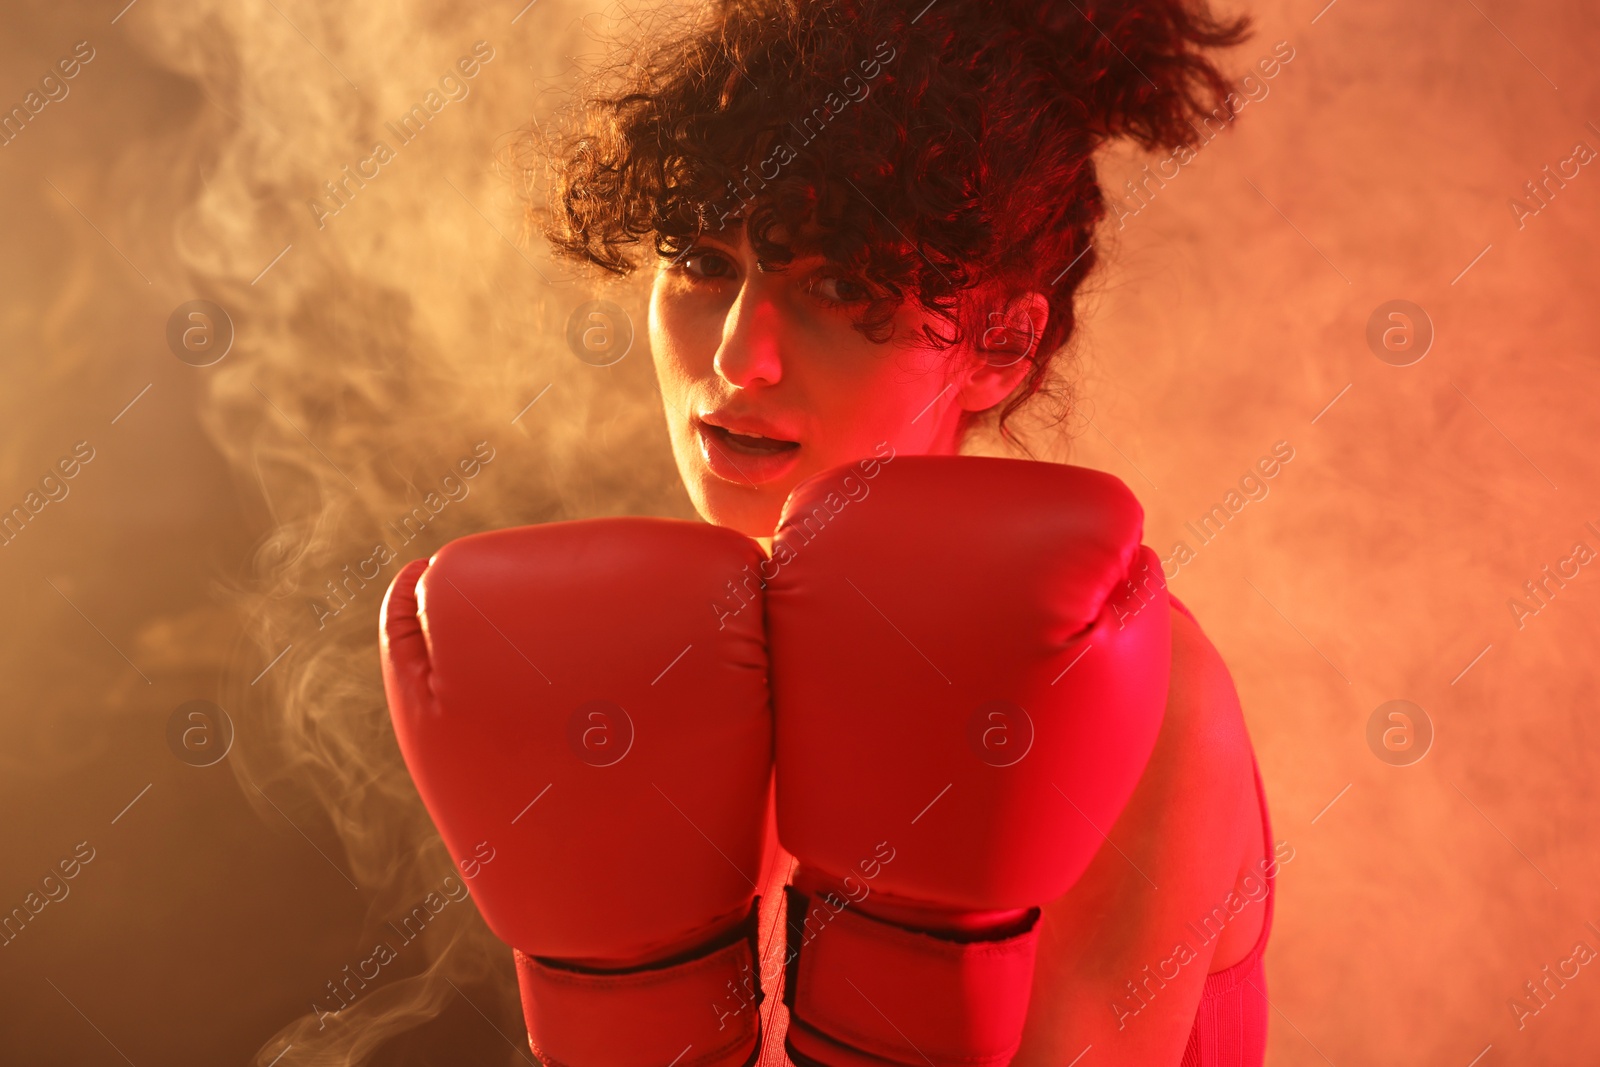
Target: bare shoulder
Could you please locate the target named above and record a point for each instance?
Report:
(1215, 761)
(1123, 955)
(1219, 773)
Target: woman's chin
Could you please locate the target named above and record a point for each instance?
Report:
(752, 512)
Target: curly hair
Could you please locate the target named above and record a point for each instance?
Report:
(941, 150)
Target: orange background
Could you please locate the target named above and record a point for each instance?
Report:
(374, 351)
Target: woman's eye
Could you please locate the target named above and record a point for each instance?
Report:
(835, 290)
(711, 264)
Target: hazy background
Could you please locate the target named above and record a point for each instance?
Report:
(377, 349)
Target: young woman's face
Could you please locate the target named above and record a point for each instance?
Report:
(765, 382)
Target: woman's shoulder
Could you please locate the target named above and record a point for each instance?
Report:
(1203, 707)
(1124, 954)
(1219, 768)
(1196, 811)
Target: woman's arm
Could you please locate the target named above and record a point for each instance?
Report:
(1191, 830)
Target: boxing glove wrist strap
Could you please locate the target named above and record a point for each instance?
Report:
(677, 1012)
(866, 993)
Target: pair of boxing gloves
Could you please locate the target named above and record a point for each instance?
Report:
(958, 667)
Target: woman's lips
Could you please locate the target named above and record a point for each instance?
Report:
(745, 459)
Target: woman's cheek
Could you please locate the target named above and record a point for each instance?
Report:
(666, 354)
(683, 344)
(892, 403)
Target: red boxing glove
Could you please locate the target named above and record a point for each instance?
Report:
(570, 706)
(970, 659)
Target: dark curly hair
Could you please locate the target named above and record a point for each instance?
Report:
(939, 150)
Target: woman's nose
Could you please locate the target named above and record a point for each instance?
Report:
(749, 354)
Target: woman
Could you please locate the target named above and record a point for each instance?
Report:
(847, 200)
(870, 221)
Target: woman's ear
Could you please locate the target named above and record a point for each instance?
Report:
(1004, 351)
